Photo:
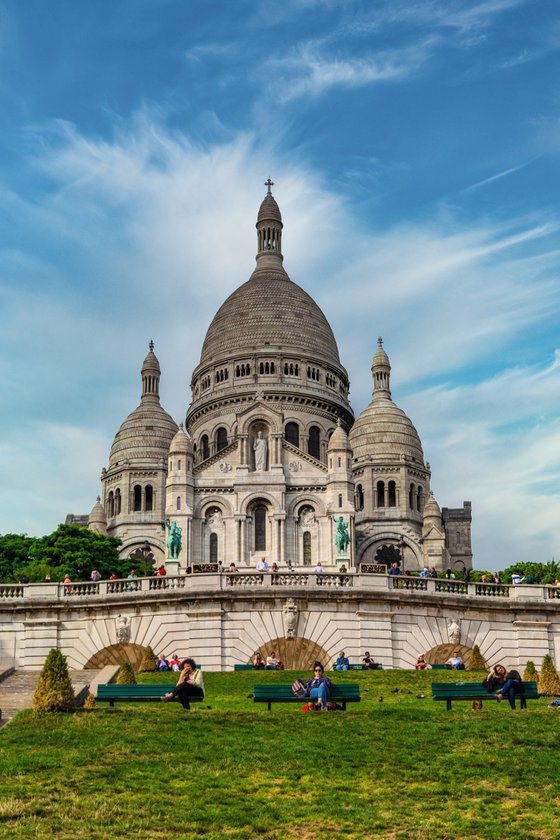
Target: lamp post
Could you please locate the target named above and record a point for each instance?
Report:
(144, 555)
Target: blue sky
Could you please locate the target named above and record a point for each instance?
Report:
(415, 152)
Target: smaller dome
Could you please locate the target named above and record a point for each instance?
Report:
(338, 439)
(97, 520)
(432, 510)
(181, 443)
(269, 210)
(383, 431)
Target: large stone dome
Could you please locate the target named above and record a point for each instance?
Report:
(269, 310)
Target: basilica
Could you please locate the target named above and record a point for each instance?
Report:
(271, 462)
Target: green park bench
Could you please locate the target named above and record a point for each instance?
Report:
(440, 667)
(475, 691)
(343, 694)
(357, 666)
(240, 667)
(139, 693)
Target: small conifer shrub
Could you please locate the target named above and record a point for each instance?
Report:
(530, 674)
(54, 692)
(89, 702)
(476, 660)
(549, 681)
(148, 661)
(126, 675)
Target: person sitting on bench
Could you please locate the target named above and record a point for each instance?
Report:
(319, 686)
(512, 686)
(189, 684)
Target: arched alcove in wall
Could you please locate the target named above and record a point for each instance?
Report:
(116, 655)
(440, 654)
(295, 654)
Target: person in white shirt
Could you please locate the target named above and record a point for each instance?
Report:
(262, 565)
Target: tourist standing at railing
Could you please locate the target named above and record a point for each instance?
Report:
(319, 572)
(161, 571)
(395, 569)
(132, 587)
(95, 575)
(343, 576)
(433, 573)
(262, 565)
(274, 575)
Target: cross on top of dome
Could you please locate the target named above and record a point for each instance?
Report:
(269, 184)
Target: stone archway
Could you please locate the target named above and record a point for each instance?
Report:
(440, 654)
(116, 655)
(297, 654)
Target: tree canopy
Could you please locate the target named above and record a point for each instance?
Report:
(70, 550)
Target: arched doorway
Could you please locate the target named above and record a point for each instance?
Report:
(439, 654)
(296, 654)
(116, 655)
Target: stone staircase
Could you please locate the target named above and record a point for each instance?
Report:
(17, 689)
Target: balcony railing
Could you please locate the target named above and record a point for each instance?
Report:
(368, 584)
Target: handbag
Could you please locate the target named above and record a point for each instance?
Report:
(299, 689)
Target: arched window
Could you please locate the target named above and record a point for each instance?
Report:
(380, 494)
(137, 497)
(291, 433)
(314, 442)
(420, 500)
(213, 548)
(411, 497)
(111, 504)
(178, 503)
(457, 538)
(205, 447)
(149, 497)
(306, 548)
(118, 503)
(359, 497)
(221, 439)
(260, 528)
(339, 500)
(392, 494)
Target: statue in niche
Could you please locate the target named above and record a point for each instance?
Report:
(260, 449)
(214, 519)
(174, 539)
(342, 537)
(454, 632)
(307, 517)
(290, 611)
(123, 629)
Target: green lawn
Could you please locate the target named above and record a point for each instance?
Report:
(401, 768)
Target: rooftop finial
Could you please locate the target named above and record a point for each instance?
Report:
(269, 184)
(380, 341)
(151, 345)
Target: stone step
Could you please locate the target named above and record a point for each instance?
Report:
(17, 690)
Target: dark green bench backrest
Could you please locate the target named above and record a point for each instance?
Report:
(238, 667)
(347, 691)
(466, 689)
(138, 690)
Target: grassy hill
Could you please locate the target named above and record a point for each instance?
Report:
(402, 767)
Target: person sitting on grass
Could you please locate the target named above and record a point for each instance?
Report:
(421, 664)
(512, 686)
(495, 679)
(319, 686)
(162, 663)
(342, 663)
(190, 684)
(258, 662)
(175, 663)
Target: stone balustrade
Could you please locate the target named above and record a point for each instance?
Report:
(257, 581)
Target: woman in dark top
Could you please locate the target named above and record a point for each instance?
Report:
(319, 686)
(512, 686)
(495, 679)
